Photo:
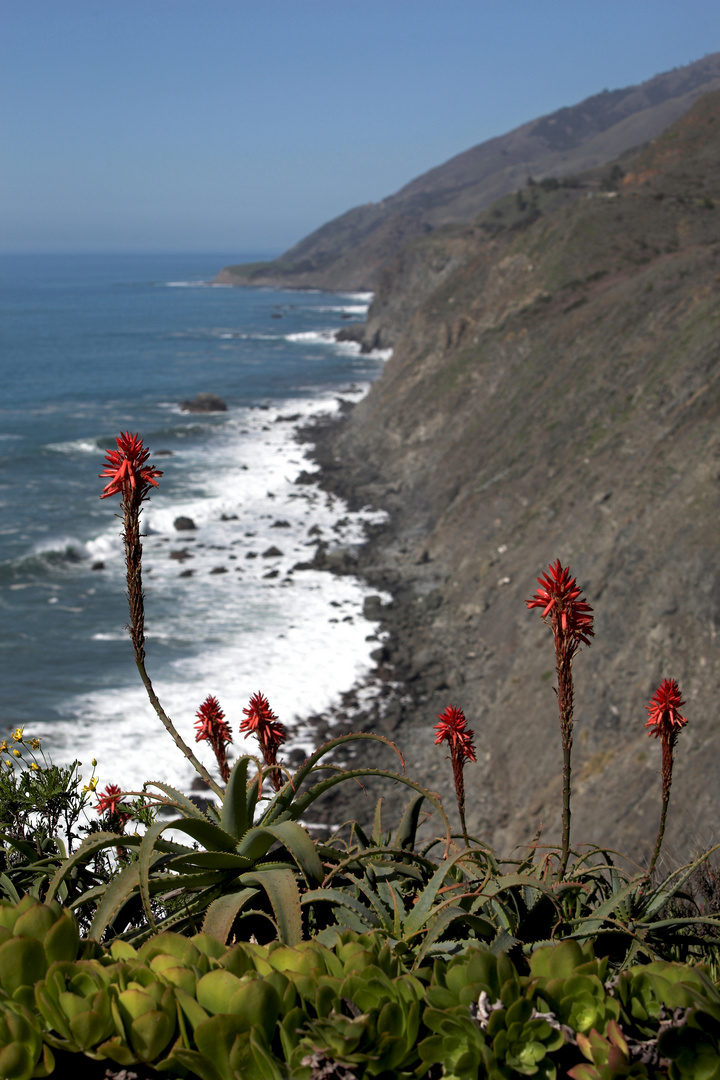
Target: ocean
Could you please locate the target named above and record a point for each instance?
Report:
(93, 345)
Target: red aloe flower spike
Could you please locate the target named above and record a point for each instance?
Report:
(127, 466)
(560, 594)
(452, 730)
(571, 620)
(108, 801)
(664, 707)
(132, 477)
(262, 722)
(665, 723)
(212, 727)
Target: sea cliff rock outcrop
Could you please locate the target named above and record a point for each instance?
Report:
(554, 392)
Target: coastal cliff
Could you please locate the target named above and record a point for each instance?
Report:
(554, 392)
(350, 252)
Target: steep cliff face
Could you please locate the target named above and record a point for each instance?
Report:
(556, 393)
(350, 252)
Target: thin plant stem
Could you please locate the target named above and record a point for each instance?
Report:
(171, 729)
(566, 813)
(668, 745)
(136, 602)
(565, 695)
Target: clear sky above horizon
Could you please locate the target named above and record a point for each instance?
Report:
(239, 126)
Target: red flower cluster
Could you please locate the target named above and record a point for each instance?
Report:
(128, 469)
(559, 597)
(663, 707)
(262, 722)
(451, 729)
(212, 727)
(108, 803)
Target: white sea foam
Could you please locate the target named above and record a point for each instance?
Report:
(243, 620)
(74, 446)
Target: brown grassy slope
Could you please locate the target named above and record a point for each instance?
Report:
(558, 395)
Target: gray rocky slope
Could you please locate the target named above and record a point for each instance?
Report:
(554, 393)
(350, 251)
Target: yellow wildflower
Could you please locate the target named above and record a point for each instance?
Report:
(94, 763)
(16, 753)
(35, 743)
(3, 747)
(91, 785)
(18, 734)
(34, 766)
(8, 763)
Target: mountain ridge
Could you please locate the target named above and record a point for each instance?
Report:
(349, 252)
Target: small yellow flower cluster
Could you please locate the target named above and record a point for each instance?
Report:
(91, 784)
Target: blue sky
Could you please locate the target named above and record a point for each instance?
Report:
(241, 125)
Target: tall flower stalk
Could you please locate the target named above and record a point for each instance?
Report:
(571, 619)
(451, 728)
(131, 477)
(262, 722)
(665, 723)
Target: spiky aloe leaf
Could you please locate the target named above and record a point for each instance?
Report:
(212, 860)
(407, 829)
(423, 909)
(284, 896)
(181, 801)
(258, 841)
(211, 836)
(300, 805)
(285, 795)
(589, 925)
(341, 898)
(116, 895)
(234, 813)
(90, 846)
(222, 913)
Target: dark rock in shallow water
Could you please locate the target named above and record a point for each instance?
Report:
(272, 553)
(219, 570)
(181, 556)
(184, 524)
(204, 403)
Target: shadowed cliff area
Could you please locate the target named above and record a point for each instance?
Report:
(349, 252)
(554, 392)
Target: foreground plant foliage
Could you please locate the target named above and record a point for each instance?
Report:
(190, 1006)
(220, 940)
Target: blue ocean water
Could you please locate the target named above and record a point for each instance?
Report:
(94, 345)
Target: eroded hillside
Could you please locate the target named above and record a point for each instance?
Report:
(555, 392)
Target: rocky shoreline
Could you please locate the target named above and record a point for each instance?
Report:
(411, 680)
